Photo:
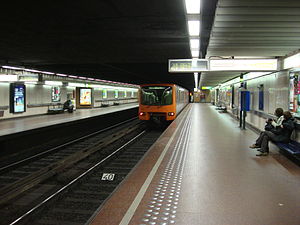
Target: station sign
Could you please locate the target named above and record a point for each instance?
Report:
(243, 64)
(206, 88)
(211, 65)
(292, 62)
(187, 65)
(29, 77)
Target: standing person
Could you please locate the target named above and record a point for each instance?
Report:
(282, 133)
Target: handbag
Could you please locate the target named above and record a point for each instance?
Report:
(269, 127)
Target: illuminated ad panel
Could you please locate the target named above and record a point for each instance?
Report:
(85, 96)
(18, 98)
(104, 93)
(187, 65)
(55, 94)
(295, 93)
(243, 64)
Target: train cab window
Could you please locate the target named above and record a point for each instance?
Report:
(156, 95)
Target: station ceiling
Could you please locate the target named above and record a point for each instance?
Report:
(131, 41)
(252, 28)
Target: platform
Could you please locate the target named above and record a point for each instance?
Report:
(12, 126)
(201, 171)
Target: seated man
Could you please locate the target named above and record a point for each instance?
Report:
(280, 133)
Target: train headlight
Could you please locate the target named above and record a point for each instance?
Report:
(171, 114)
(142, 114)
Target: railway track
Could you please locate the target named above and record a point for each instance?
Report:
(69, 186)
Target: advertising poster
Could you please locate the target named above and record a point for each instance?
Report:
(116, 94)
(85, 96)
(295, 93)
(18, 98)
(104, 93)
(55, 94)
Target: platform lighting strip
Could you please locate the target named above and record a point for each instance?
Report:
(193, 20)
(196, 80)
(65, 75)
(192, 6)
(248, 76)
(53, 83)
(292, 61)
(193, 12)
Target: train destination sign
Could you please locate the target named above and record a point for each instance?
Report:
(187, 65)
(243, 65)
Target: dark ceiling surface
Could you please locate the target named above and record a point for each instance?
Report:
(119, 40)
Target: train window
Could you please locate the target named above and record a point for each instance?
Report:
(156, 95)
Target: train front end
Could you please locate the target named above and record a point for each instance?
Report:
(157, 102)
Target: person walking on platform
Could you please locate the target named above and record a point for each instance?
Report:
(279, 133)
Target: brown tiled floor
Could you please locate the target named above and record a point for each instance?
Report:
(208, 176)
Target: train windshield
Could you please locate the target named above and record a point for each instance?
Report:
(156, 95)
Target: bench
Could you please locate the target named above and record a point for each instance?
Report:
(221, 109)
(293, 147)
(55, 109)
(105, 104)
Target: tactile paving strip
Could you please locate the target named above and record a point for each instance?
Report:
(164, 202)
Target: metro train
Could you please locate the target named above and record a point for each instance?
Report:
(161, 102)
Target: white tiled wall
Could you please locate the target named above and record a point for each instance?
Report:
(276, 94)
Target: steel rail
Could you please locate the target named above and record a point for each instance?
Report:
(76, 179)
(62, 145)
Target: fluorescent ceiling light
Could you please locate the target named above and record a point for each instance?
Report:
(292, 61)
(192, 6)
(12, 67)
(53, 83)
(76, 84)
(195, 53)
(194, 27)
(252, 75)
(196, 79)
(61, 75)
(50, 73)
(194, 43)
(34, 71)
(71, 76)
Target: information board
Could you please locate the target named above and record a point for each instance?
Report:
(187, 65)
